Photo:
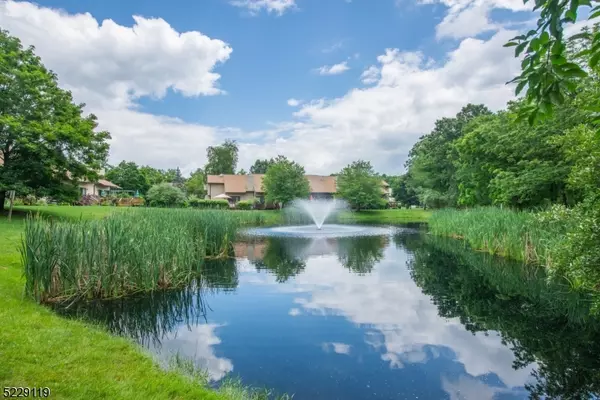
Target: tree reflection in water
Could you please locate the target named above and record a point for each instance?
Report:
(541, 322)
(286, 257)
(146, 318)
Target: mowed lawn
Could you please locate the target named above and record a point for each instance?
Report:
(77, 360)
(74, 359)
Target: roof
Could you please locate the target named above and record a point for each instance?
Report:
(322, 184)
(109, 184)
(253, 183)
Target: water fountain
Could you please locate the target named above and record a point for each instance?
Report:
(318, 212)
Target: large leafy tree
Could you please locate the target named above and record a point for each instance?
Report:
(45, 140)
(153, 176)
(128, 175)
(261, 166)
(195, 183)
(222, 159)
(360, 186)
(403, 191)
(432, 160)
(285, 181)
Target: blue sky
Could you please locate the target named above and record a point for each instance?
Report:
(168, 79)
(274, 56)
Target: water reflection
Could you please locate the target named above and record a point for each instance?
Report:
(399, 316)
(540, 323)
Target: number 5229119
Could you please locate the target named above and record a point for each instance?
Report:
(19, 391)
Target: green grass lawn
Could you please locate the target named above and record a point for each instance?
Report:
(390, 216)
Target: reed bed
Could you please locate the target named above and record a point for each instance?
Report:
(126, 252)
(515, 234)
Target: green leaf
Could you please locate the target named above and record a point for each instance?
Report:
(520, 87)
(558, 60)
(544, 37)
(594, 60)
(510, 44)
(519, 49)
(594, 15)
(571, 15)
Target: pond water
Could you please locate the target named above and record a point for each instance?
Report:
(399, 315)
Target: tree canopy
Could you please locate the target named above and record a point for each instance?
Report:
(261, 166)
(46, 143)
(360, 186)
(195, 184)
(128, 175)
(285, 181)
(222, 159)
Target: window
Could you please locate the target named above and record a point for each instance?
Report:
(83, 191)
(235, 199)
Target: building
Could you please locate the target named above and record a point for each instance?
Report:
(102, 187)
(249, 187)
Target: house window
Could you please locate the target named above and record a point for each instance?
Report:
(235, 199)
(83, 191)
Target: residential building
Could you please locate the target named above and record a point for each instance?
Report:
(101, 187)
(249, 187)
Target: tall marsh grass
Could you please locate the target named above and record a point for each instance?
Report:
(520, 235)
(126, 252)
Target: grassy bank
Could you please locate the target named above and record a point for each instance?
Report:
(515, 234)
(75, 360)
(79, 360)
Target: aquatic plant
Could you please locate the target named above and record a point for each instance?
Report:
(516, 234)
(126, 252)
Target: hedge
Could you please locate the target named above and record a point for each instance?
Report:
(208, 204)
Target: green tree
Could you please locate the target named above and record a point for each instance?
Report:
(242, 172)
(222, 159)
(153, 176)
(360, 186)
(195, 184)
(261, 166)
(402, 190)
(178, 179)
(548, 71)
(431, 161)
(285, 181)
(46, 144)
(165, 195)
(128, 175)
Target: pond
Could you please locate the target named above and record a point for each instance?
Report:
(397, 315)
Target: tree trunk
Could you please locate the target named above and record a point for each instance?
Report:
(2, 198)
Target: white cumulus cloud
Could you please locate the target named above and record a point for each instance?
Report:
(110, 66)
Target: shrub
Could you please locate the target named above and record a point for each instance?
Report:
(245, 205)
(89, 200)
(29, 200)
(578, 255)
(42, 201)
(208, 204)
(165, 195)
